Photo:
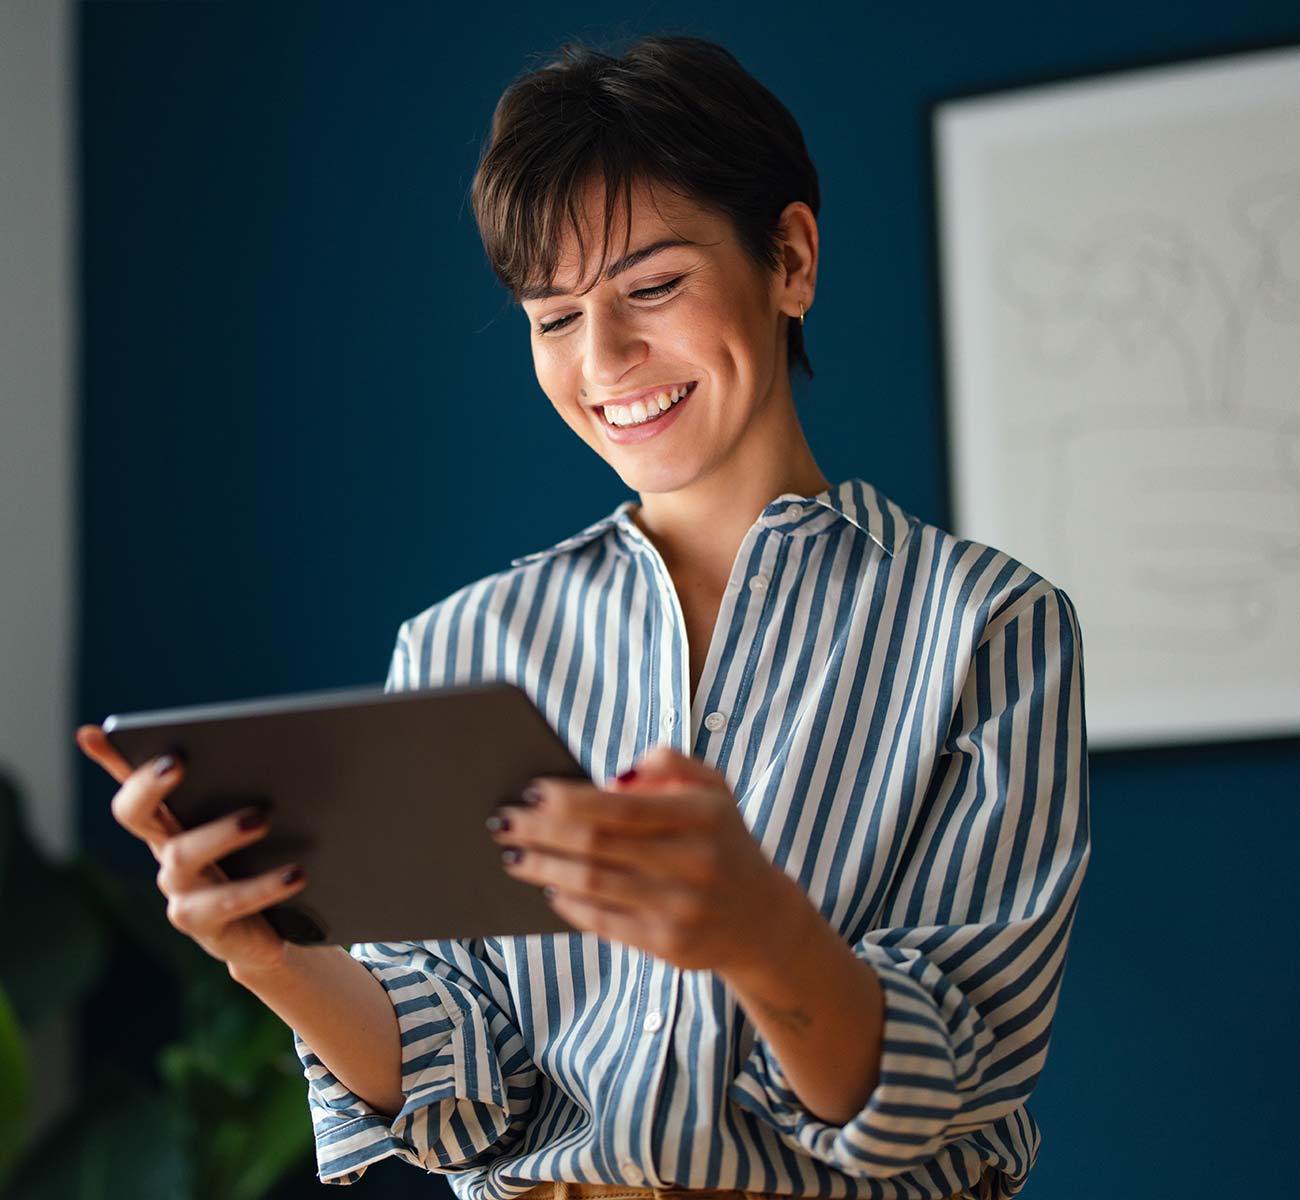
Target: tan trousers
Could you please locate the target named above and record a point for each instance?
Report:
(561, 1190)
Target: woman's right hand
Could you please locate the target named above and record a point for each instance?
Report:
(224, 916)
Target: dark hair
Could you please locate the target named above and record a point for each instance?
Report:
(672, 110)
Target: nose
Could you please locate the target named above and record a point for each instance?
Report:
(613, 348)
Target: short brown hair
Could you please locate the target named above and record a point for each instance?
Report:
(673, 110)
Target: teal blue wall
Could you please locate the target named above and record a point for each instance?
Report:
(302, 385)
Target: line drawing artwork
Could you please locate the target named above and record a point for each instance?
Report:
(1133, 286)
(1120, 279)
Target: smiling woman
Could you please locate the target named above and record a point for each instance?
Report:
(827, 863)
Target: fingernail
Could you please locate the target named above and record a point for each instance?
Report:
(531, 795)
(496, 824)
(164, 764)
(252, 820)
(511, 854)
(292, 875)
(630, 773)
(548, 892)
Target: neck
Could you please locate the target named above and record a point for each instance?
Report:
(698, 528)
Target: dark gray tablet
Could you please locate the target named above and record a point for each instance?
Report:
(381, 796)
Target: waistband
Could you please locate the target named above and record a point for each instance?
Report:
(564, 1190)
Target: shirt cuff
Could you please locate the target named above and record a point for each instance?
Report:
(915, 1101)
(455, 1095)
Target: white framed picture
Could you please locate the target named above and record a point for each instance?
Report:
(1120, 279)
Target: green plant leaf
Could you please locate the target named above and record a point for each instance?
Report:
(122, 1141)
(53, 944)
(52, 936)
(238, 1077)
(15, 1088)
(232, 1115)
(281, 1122)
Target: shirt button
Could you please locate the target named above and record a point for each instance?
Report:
(714, 721)
(758, 583)
(632, 1173)
(669, 719)
(652, 1022)
(794, 511)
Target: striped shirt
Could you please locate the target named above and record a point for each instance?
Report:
(899, 713)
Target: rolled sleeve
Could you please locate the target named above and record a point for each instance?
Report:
(973, 936)
(467, 1080)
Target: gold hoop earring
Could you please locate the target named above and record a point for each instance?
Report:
(801, 313)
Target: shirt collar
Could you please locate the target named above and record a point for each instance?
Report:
(617, 517)
(857, 501)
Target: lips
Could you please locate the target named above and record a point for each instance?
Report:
(628, 435)
(645, 394)
(651, 406)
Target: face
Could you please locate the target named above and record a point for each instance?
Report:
(699, 314)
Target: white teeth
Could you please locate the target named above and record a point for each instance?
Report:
(638, 412)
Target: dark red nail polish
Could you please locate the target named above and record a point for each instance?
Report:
(630, 773)
(292, 875)
(531, 795)
(252, 820)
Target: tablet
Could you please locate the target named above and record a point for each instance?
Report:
(381, 796)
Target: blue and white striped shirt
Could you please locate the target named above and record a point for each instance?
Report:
(899, 713)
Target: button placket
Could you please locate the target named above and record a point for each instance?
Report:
(659, 1018)
(716, 727)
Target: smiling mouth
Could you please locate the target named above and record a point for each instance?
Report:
(644, 412)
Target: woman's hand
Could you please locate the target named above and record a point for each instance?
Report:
(223, 916)
(664, 862)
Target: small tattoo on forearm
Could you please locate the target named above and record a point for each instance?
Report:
(794, 1019)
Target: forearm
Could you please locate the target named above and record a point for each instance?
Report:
(343, 1013)
(816, 1004)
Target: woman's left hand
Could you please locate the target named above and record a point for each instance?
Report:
(664, 862)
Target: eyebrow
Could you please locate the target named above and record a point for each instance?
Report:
(617, 267)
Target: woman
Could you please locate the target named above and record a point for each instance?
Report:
(825, 878)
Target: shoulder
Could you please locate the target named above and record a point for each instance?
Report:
(986, 584)
(466, 603)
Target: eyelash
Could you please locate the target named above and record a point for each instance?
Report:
(652, 293)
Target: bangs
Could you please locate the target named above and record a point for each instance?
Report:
(528, 218)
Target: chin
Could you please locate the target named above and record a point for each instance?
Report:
(658, 477)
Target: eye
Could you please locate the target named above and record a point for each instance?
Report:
(650, 293)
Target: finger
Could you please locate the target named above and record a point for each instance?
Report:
(649, 810)
(94, 743)
(617, 925)
(186, 857)
(603, 883)
(206, 910)
(656, 856)
(136, 805)
(668, 763)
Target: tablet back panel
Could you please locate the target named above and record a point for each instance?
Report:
(380, 796)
